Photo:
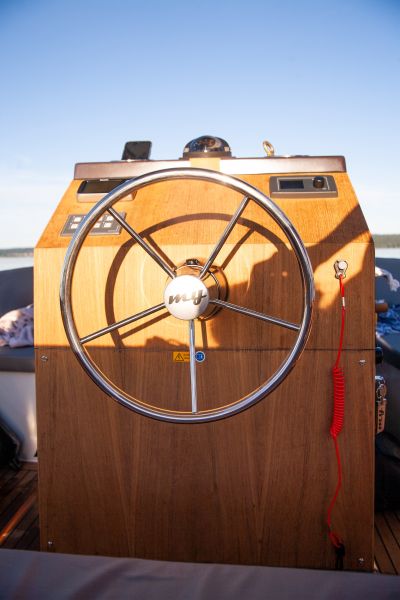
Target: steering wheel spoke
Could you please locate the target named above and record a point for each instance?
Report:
(224, 236)
(192, 354)
(122, 323)
(249, 312)
(156, 257)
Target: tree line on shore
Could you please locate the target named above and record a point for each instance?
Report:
(16, 252)
(387, 240)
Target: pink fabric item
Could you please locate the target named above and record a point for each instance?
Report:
(16, 327)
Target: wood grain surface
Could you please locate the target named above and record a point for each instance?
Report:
(252, 489)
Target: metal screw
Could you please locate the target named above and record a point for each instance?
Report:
(362, 362)
(44, 358)
(361, 562)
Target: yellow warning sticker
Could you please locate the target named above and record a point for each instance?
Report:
(181, 357)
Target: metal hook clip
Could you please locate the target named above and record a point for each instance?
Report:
(340, 267)
(268, 147)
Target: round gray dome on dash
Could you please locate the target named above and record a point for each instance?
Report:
(207, 146)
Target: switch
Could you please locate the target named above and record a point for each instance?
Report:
(319, 182)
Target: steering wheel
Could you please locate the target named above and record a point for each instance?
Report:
(187, 296)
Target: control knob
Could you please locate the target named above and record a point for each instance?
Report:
(319, 182)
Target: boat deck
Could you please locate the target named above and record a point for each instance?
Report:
(19, 521)
(387, 542)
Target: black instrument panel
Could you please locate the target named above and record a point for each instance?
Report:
(302, 186)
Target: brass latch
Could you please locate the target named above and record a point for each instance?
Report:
(380, 403)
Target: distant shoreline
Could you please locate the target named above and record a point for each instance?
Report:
(387, 241)
(391, 240)
(15, 252)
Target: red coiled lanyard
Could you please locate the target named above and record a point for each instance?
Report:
(336, 428)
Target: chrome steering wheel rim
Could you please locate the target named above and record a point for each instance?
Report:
(77, 344)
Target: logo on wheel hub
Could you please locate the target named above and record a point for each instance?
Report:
(196, 297)
(186, 297)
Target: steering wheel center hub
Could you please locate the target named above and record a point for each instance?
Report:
(186, 297)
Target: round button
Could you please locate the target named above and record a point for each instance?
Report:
(200, 356)
(319, 182)
(186, 297)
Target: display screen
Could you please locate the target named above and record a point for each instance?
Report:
(99, 186)
(291, 184)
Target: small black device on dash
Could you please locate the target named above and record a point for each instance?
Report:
(136, 151)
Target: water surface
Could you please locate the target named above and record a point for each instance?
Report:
(16, 262)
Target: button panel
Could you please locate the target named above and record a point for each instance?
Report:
(105, 225)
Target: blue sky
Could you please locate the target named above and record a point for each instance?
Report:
(81, 77)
